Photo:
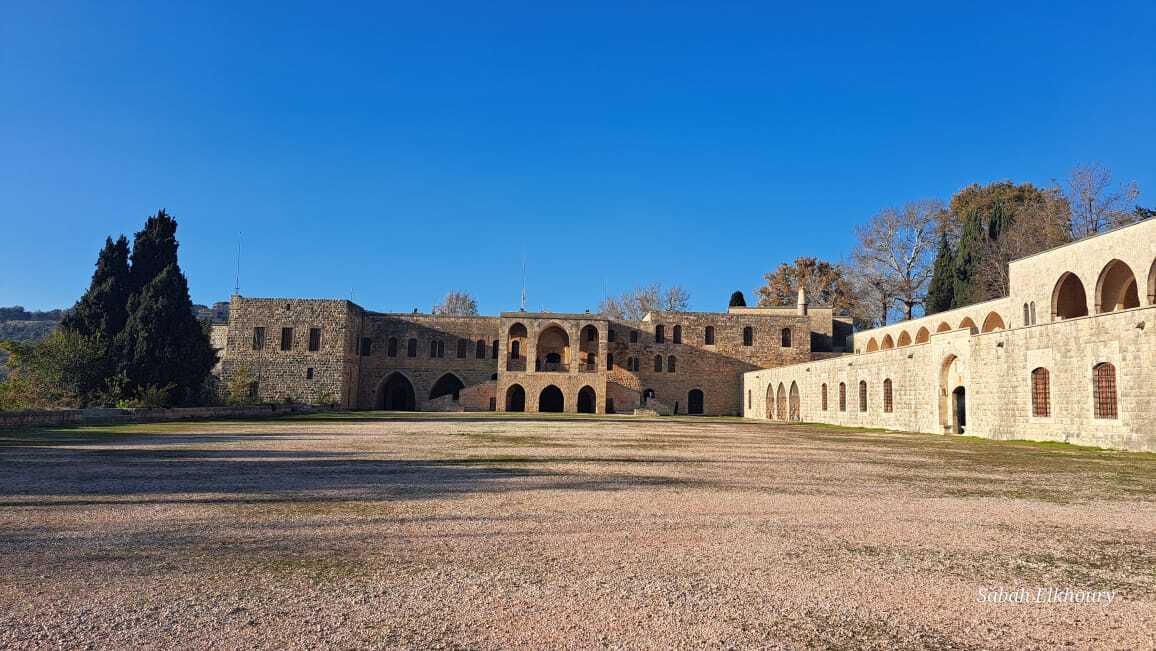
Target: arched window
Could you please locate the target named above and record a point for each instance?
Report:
(463, 348)
(993, 322)
(611, 336)
(795, 405)
(904, 340)
(494, 350)
(515, 349)
(888, 398)
(1027, 315)
(862, 395)
(922, 336)
(659, 334)
(1033, 311)
(609, 361)
(1068, 298)
(748, 336)
(708, 336)
(637, 364)
(1104, 390)
(658, 363)
(823, 396)
(633, 336)
(887, 344)
(630, 363)
(785, 336)
(391, 347)
(671, 364)
(842, 396)
(411, 347)
(480, 349)
(433, 348)
(1041, 398)
(676, 334)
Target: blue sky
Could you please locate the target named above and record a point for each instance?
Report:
(397, 152)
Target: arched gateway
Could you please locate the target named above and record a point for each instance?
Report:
(395, 393)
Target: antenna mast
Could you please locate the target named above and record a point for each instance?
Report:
(237, 277)
(523, 302)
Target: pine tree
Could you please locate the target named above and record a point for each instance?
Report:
(941, 291)
(968, 256)
(738, 300)
(102, 310)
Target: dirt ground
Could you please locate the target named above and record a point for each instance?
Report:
(452, 531)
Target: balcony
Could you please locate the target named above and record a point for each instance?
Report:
(552, 367)
(516, 365)
(588, 367)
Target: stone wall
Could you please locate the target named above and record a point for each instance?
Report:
(319, 376)
(72, 417)
(446, 335)
(995, 371)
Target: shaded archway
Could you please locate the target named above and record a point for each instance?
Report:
(1152, 284)
(515, 398)
(551, 400)
(951, 392)
(448, 384)
(943, 327)
(993, 322)
(1068, 298)
(395, 393)
(770, 406)
(888, 343)
(586, 400)
(969, 324)
(1116, 289)
(553, 350)
(922, 336)
(781, 402)
(793, 414)
(588, 347)
(694, 400)
(904, 339)
(872, 345)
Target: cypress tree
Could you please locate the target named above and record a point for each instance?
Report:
(163, 345)
(941, 291)
(967, 258)
(1001, 220)
(738, 300)
(102, 310)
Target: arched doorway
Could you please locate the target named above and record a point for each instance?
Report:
(694, 402)
(551, 400)
(781, 403)
(515, 398)
(396, 394)
(516, 348)
(795, 406)
(1068, 298)
(770, 402)
(952, 396)
(647, 396)
(448, 384)
(586, 400)
(1116, 289)
(959, 410)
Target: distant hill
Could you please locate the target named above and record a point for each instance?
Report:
(26, 330)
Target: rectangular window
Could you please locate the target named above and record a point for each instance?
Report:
(309, 373)
(1041, 400)
(258, 338)
(610, 336)
(633, 336)
(609, 361)
(748, 336)
(314, 339)
(286, 338)
(1104, 390)
(366, 346)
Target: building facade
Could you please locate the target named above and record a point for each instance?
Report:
(1069, 355)
(332, 351)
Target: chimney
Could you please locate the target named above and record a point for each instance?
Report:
(802, 302)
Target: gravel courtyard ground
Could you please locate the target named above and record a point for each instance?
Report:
(369, 530)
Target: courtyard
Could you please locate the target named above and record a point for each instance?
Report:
(368, 529)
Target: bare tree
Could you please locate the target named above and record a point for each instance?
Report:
(895, 253)
(634, 304)
(1096, 205)
(1040, 224)
(457, 304)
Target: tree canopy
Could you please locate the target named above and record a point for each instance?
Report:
(634, 304)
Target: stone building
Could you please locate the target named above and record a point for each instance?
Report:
(1069, 355)
(333, 351)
